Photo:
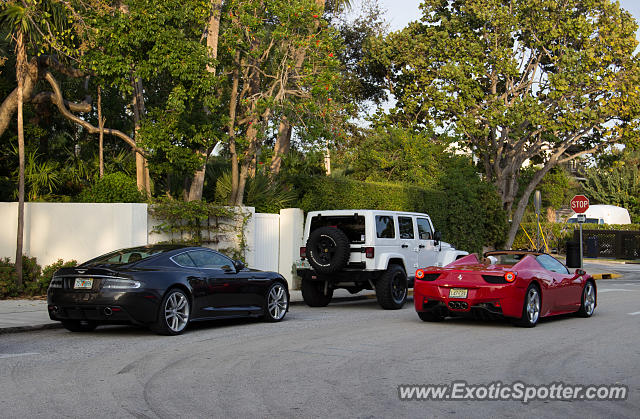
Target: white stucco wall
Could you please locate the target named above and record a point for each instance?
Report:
(69, 231)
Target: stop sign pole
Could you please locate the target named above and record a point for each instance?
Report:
(580, 204)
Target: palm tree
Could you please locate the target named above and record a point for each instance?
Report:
(19, 17)
(15, 15)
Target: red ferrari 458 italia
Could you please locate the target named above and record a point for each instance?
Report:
(520, 285)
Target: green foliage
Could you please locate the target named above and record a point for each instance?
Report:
(615, 186)
(263, 193)
(113, 187)
(518, 80)
(41, 284)
(30, 274)
(396, 154)
(35, 280)
(466, 210)
(199, 222)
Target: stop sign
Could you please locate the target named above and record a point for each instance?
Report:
(580, 204)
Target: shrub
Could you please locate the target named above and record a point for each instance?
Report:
(113, 187)
(30, 274)
(39, 286)
(35, 280)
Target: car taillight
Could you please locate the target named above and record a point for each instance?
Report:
(369, 252)
(419, 274)
(510, 276)
(303, 252)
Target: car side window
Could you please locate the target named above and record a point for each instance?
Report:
(385, 227)
(424, 229)
(405, 225)
(551, 264)
(207, 259)
(183, 259)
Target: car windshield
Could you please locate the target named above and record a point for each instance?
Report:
(125, 256)
(509, 259)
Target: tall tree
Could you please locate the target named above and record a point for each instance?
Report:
(267, 39)
(24, 19)
(519, 80)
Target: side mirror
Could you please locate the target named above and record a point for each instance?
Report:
(239, 265)
(580, 272)
(437, 237)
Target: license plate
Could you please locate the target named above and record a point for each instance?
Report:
(83, 283)
(458, 293)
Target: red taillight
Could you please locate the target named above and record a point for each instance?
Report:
(419, 274)
(303, 252)
(369, 252)
(510, 276)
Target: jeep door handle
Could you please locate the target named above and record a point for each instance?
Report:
(421, 246)
(404, 246)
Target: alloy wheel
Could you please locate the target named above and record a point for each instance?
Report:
(589, 298)
(277, 302)
(176, 311)
(533, 305)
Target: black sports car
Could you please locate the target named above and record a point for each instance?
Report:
(163, 287)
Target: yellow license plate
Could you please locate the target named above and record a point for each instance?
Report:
(83, 283)
(458, 293)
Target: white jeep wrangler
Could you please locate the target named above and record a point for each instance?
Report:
(368, 249)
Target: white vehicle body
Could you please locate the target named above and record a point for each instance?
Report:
(604, 214)
(377, 242)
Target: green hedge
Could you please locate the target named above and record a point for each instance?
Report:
(466, 211)
(557, 234)
(35, 279)
(113, 187)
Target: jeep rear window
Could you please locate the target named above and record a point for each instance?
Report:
(351, 225)
(385, 227)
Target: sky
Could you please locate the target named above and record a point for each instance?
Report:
(401, 12)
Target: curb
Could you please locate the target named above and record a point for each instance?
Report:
(606, 276)
(30, 328)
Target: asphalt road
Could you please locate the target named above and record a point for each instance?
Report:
(345, 360)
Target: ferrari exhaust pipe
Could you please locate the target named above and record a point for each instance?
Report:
(108, 311)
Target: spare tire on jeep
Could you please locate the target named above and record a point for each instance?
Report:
(328, 249)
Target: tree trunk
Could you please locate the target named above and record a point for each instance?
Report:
(524, 201)
(213, 31)
(142, 170)
(20, 73)
(101, 135)
(233, 104)
(10, 104)
(283, 144)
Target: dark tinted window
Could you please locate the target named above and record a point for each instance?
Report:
(405, 225)
(210, 260)
(351, 225)
(551, 264)
(424, 229)
(184, 259)
(124, 256)
(385, 227)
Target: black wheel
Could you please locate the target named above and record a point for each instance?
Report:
(79, 325)
(277, 303)
(173, 315)
(328, 249)
(313, 293)
(530, 308)
(391, 288)
(588, 302)
(430, 316)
